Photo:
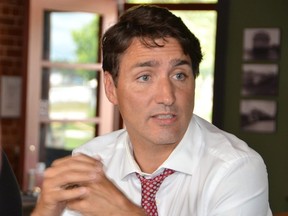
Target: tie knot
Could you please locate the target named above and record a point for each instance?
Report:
(158, 178)
(149, 189)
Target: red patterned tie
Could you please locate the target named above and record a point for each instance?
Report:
(149, 189)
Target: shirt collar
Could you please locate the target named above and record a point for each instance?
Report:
(186, 155)
(129, 163)
(184, 158)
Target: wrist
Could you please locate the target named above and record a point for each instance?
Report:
(131, 209)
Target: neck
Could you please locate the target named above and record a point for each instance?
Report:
(149, 159)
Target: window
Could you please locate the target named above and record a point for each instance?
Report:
(66, 105)
(69, 93)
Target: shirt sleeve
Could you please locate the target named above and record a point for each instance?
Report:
(68, 212)
(242, 190)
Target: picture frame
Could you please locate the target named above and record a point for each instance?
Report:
(261, 44)
(10, 96)
(258, 115)
(259, 80)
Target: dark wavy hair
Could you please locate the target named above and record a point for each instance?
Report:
(147, 23)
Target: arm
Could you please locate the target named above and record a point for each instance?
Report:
(104, 198)
(79, 183)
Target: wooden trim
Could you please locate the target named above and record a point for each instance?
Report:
(181, 6)
(280, 214)
(88, 120)
(59, 65)
(21, 163)
(220, 67)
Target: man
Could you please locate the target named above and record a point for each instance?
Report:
(150, 62)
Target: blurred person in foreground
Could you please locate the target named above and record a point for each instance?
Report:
(10, 194)
(150, 63)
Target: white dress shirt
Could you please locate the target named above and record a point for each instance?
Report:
(217, 174)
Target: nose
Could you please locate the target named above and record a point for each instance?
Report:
(165, 92)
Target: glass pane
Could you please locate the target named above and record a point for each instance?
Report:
(69, 94)
(170, 1)
(71, 37)
(59, 139)
(67, 135)
(203, 25)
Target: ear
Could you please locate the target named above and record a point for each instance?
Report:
(110, 88)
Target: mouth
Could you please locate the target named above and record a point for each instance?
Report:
(164, 119)
(164, 116)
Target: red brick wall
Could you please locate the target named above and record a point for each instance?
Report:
(12, 40)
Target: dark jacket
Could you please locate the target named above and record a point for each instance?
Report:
(10, 196)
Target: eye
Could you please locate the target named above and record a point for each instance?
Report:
(180, 76)
(144, 78)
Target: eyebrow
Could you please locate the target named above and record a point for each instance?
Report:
(146, 64)
(153, 63)
(179, 62)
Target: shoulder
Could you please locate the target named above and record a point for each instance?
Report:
(222, 145)
(99, 145)
(230, 162)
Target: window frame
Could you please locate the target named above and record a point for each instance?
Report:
(35, 62)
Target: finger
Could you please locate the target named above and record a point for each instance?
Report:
(74, 164)
(58, 195)
(69, 178)
(101, 196)
(77, 158)
(71, 171)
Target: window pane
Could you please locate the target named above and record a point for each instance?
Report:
(71, 37)
(203, 25)
(69, 94)
(67, 136)
(59, 139)
(170, 1)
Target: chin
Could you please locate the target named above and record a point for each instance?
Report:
(169, 139)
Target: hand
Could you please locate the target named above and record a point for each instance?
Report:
(102, 197)
(62, 175)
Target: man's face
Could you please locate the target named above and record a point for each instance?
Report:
(154, 93)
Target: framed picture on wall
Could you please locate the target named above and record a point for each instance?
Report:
(261, 44)
(258, 115)
(259, 79)
(10, 96)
